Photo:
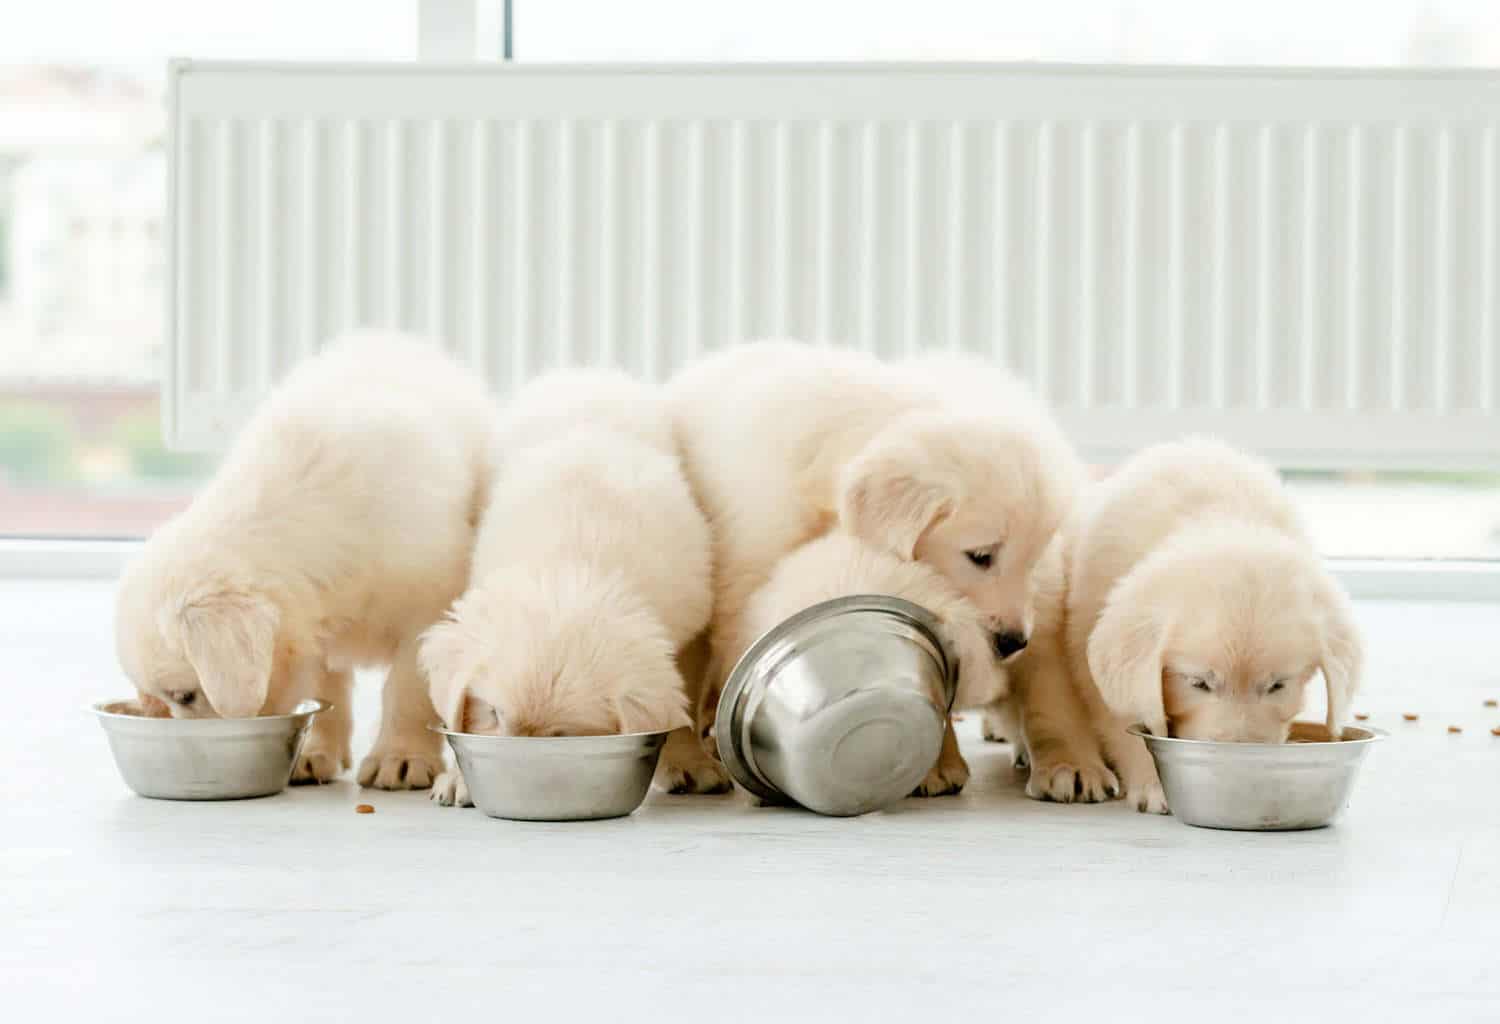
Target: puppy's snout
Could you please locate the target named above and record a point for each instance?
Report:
(1009, 642)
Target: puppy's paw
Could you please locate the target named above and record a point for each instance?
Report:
(1064, 782)
(947, 778)
(450, 790)
(1148, 798)
(397, 769)
(318, 765)
(992, 727)
(686, 766)
(699, 776)
(1022, 760)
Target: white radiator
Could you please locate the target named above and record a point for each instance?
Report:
(1304, 263)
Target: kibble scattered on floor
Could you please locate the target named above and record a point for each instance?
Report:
(1455, 728)
(363, 809)
(1360, 716)
(1410, 716)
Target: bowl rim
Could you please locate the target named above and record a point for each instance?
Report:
(611, 736)
(309, 706)
(1372, 735)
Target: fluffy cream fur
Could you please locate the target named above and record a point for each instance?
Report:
(839, 565)
(591, 574)
(1193, 602)
(942, 461)
(337, 529)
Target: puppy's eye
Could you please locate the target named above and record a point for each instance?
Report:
(1202, 684)
(983, 558)
(1279, 684)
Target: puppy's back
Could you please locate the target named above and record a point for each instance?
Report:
(613, 502)
(1161, 492)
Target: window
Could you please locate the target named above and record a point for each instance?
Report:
(81, 188)
(82, 191)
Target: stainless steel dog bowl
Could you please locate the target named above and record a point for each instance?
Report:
(1262, 787)
(205, 758)
(557, 778)
(841, 708)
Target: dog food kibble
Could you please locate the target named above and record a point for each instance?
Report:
(1492, 703)
(1409, 716)
(1361, 716)
(363, 809)
(1495, 731)
(1455, 728)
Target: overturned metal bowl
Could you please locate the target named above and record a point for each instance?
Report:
(841, 708)
(205, 758)
(1261, 787)
(557, 778)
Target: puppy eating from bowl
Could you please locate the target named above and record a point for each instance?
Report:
(590, 575)
(1196, 605)
(336, 530)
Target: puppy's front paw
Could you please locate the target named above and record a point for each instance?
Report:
(947, 778)
(687, 768)
(395, 769)
(1148, 798)
(1065, 782)
(696, 777)
(318, 765)
(450, 790)
(993, 728)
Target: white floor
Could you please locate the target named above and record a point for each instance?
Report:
(985, 905)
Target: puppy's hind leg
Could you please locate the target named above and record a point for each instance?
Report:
(1001, 723)
(326, 753)
(407, 754)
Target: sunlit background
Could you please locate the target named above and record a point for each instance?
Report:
(82, 192)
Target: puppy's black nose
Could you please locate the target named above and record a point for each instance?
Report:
(1007, 644)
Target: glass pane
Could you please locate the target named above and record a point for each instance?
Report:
(1327, 32)
(1402, 515)
(82, 191)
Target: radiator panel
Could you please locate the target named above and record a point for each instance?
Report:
(1301, 262)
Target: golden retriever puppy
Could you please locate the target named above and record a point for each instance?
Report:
(591, 573)
(1196, 605)
(945, 462)
(337, 529)
(840, 565)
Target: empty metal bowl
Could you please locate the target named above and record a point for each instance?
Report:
(557, 778)
(205, 758)
(841, 708)
(1261, 787)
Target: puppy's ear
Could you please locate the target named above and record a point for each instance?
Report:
(229, 638)
(1125, 654)
(889, 498)
(653, 707)
(441, 658)
(1343, 654)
